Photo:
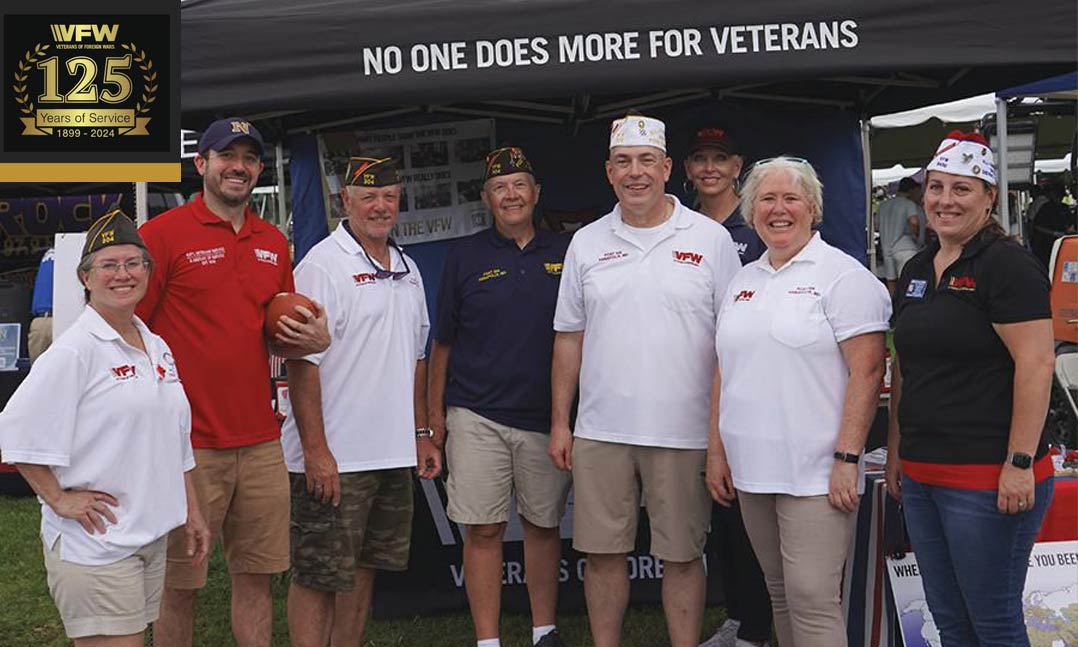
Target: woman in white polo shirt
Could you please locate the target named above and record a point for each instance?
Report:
(100, 429)
(800, 343)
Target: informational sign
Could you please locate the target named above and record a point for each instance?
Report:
(1050, 599)
(10, 335)
(441, 170)
(68, 298)
(90, 92)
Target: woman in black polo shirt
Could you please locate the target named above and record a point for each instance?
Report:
(968, 402)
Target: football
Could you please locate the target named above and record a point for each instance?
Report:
(284, 304)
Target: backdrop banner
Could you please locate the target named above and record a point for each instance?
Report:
(441, 168)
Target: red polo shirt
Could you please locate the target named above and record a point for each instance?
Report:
(207, 297)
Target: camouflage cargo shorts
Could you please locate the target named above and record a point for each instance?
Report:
(371, 528)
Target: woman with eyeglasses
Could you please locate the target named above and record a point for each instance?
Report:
(712, 166)
(100, 429)
(800, 344)
(966, 454)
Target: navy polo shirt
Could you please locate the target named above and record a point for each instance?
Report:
(746, 240)
(496, 310)
(957, 375)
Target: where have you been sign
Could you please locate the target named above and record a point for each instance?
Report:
(1050, 600)
(90, 97)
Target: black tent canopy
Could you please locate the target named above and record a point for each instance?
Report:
(310, 64)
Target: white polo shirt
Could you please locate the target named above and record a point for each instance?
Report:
(647, 309)
(783, 374)
(105, 416)
(379, 331)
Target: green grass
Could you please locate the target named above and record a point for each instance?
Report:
(29, 619)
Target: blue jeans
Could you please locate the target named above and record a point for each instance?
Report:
(973, 560)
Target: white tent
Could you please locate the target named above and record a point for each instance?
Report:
(970, 109)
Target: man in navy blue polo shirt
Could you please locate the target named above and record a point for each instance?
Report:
(489, 395)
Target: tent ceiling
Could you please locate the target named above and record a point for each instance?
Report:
(300, 64)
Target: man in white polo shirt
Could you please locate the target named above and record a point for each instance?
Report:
(635, 321)
(358, 422)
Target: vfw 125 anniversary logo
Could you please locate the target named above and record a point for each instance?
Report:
(84, 80)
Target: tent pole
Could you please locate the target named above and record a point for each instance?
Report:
(282, 203)
(142, 211)
(1001, 165)
(866, 156)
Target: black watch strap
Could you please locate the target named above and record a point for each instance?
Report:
(846, 457)
(1020, 460)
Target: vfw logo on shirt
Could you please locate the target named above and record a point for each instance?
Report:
(266, 256)
(744, 295)
(962, 283)
(688, 258)
(123, 372)
(364, 278)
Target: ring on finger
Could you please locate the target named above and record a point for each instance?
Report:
(1021, 504)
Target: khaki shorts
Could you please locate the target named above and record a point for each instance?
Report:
(893, 263)
(488, 461)
(40, 336)
(371, 528)
(611, 479)
(117, 599)
(242, 493)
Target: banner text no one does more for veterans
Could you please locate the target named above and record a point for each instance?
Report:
(609, 46)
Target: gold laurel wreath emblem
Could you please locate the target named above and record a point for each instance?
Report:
(149, 76)
(22, 69)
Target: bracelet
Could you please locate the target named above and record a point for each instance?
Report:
(424, 432)
(847, 458)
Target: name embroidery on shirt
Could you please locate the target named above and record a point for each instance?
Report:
(806, 289)
(493, 273)
(610, 256)
(962, 283)
(554, 269)
(124, 372)
(205, 256)
(266, 256)
(744, 295)
(916, 288)
(364, 278)
(688, 258)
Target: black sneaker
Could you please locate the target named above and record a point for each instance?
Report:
(552, 639)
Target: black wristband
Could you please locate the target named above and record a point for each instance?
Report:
(847, 458)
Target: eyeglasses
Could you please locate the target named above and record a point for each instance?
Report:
(134, 267)
(388, 274)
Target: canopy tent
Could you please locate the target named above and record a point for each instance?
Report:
(1063, 87)
(577, 60)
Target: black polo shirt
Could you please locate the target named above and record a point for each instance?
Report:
(746, 240)
(957, 375)
(496, 309)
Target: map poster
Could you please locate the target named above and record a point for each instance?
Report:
(1050, 599)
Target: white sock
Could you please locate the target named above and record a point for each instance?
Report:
(539, 632)
(489, 642)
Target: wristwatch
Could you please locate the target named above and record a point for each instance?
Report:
(1020, 460)
(424, 432)
(847, 457)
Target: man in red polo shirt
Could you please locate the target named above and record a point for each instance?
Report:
(217, 265)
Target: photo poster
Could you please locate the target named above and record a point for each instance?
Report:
(1050, 598)
(442, 168)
